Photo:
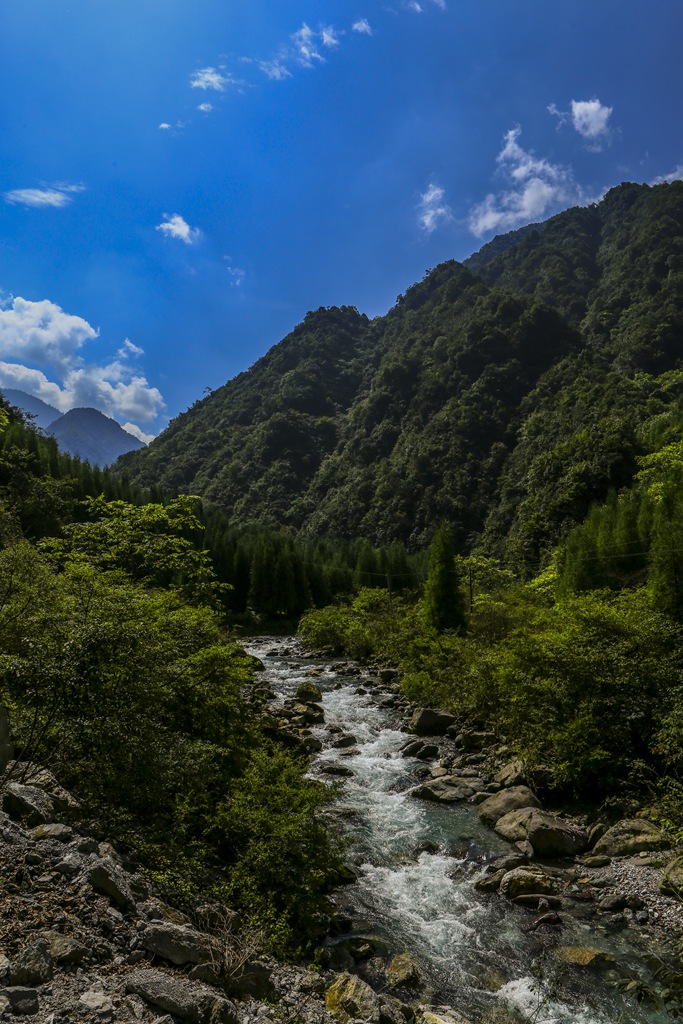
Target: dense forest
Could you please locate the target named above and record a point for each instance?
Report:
(505, 396)
(482, 489)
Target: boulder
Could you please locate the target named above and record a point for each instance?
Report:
(27, 803)
(65, 949)
(476, 741)
(404, 972)
(186, 1000)
(177, 943)
(507, 800)
(425, 722)
(106, 877)
(490, 883)
(445, 790)
(34, 775)
(511, 774)
(672, 879)
(525, 880)
(446, 1015)
(350, 998)
(63, 833)
(549, 836)
(583, 956)
(629, 836)
(33, 966)
(20, 1000)
(253, 980)
(308, 692)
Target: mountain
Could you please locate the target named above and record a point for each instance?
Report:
(505, 397)
(42, 413)
(92, 436)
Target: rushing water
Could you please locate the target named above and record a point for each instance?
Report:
(474, 954)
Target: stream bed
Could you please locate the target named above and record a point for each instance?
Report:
(474, 955)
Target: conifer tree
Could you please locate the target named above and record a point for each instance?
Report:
(444, 601)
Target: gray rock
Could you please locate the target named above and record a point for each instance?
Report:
(548, 835)
(65, 949)
(98, 1003)
(187, 1000)
(507, 800)
(33, 966)
(672, 880)
(19, 1000)
(27, 803)
(632, 835)
(490, 883)
(426, 722)
(107, 878)
(525, 880)
(177, 943)
(35, 775)
(63, 833)
(445, 790)
(511, 774)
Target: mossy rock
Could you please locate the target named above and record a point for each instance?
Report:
(583, 956)
(308, 692)
(404, 972)
(350, 998)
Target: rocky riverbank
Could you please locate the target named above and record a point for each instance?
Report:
(85, 938)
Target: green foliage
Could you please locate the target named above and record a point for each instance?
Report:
(507, 396)
(444, 602)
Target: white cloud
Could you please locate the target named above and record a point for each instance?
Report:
(538, 186)
(237, 275)
(275, 70)
(306, 46)
(591, 119)
(42, 333)
(362, 26)
(433, 211)
(205, 108)
(213, 78)
(329, 36)
(165, 126)
(175, 226)
(132, 428)
(675, 175)
(55, 196)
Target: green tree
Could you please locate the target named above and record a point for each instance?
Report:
(444, 602)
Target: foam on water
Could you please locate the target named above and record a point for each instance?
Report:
(426, 903)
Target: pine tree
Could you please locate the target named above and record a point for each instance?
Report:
(444, 601)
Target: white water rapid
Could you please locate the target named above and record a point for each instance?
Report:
(474, 954)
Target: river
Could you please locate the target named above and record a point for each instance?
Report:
(473, 952)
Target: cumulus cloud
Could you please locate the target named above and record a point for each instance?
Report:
(55, 196)
(362, 26)
(213, 78)
(675, 175)
(205, 108)
(590, 118)
(133, 428)
(42, 334)
(175, 226)
(433, 211)
(537, 187)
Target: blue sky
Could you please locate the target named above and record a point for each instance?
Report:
(180, 183)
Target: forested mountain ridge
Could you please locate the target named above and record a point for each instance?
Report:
(505, 401)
